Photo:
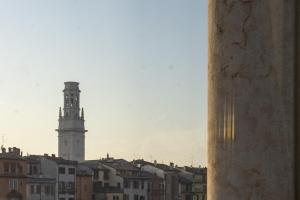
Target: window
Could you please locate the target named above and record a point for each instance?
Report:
(136, 197)
(126, 184)
(34, 169)
(13, 184)
(119, 185)
(162, 187)
(6, 167)
(96, 174)
(201, 188)
(13, 167)
(71, 198)
(71, 187)
(135, 184)
(105, 175)
(201, 178)
(20, 169)
(115, 197)
(30, 169)
(47, 189)
(38, 189)
(106, 184)
(142, 198)
(31, 189)
(142, 185)
(71, 170)
(62, 199)
(52, 190)
(61, 187)
(97, 185)
(125, 197)
(66, 187)
(62, 170)
(188, 197)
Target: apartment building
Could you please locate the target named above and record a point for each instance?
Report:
(39, 186)
(84, 183)
(64, 172)
(12, 174)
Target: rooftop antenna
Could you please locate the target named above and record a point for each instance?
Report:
(192, 159)
(3, 140)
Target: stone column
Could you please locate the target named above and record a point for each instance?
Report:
(251, 100)
(297, 104)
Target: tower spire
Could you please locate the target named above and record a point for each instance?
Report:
(82, 113)
(60, 113)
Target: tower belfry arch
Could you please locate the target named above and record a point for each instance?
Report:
(71, 129)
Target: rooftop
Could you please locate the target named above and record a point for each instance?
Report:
(60, 160)
(12, 153)
(185, 179)
(93, 164)
(119, 164)
(163, 167)
(195, 170)
(83, 170)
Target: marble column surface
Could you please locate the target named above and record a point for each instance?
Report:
(251, 100)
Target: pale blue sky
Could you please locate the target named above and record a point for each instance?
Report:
(142, 68)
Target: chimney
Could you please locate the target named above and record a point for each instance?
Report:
(45, 154)
(171, 165)
(9, 149)
(16, 151)
(3, 150)
(155, 162)
(53, 155)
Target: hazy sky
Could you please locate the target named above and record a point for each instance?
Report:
(142, 68)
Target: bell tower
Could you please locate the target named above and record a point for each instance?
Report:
(71, 130)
